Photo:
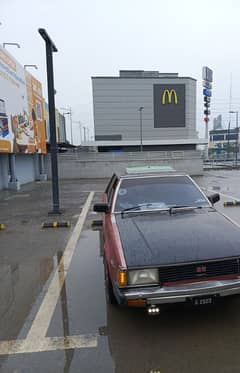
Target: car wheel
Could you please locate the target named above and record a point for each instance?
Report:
(111, 299)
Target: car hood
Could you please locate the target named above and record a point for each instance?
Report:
(153, 239)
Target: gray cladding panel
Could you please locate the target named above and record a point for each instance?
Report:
(116, 103)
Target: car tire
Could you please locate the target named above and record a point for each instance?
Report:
(111, 299)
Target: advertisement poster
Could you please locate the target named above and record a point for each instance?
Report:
(22, 126)
(169, 105)
(36, 112)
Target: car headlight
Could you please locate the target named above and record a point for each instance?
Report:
(143, 276)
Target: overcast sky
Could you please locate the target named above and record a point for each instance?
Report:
(100, 37)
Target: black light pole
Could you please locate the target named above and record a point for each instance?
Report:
(237, 147)
(140, 111)
(50, 48)
(237, 129)
(228, 134)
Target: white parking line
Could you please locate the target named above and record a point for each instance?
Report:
(227, 196)
(36, 340)
(230, 197)
(42, 320)
(23, 346)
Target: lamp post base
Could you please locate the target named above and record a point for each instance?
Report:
(55, 212)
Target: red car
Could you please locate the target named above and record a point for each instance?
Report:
(164, 242)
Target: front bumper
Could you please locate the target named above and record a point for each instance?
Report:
(180, 293)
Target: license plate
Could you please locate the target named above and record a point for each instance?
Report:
(201, 301)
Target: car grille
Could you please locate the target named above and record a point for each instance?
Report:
(198, 270)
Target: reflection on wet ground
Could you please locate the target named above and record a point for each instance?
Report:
(16, 290)
(181, 339)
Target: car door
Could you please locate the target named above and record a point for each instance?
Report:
(110, 234)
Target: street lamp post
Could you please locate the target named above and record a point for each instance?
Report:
(84, 133)
(34, 66)
(87, 134)
(50, 48)
(228, 134)
(80, 130)
(69, 112)
(140, 118)
(15, 44)
(237, 129)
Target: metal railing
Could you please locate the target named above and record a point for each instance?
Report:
(129, 156)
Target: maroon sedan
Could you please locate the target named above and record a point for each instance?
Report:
(164, 242)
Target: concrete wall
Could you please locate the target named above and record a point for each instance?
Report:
(3, 171)
(103, 165)
(116, 102)
(27, 169)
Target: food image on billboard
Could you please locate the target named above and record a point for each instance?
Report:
(36, 109)
(5, 143)
(22, 126)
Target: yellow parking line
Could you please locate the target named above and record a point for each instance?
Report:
(42, 320)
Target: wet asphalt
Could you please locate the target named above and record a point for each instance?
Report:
(181, 339)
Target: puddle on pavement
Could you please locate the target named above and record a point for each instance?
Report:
(81, 308)
(17, 196)
(216, 187)
(20, 287)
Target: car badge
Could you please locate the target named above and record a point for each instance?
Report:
(201, 269)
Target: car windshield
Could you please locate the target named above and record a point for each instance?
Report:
(158, 193)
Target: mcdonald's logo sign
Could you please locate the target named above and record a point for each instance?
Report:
(169, 105)
(171, 95)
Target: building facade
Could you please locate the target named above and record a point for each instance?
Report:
(223, 143)
(217, 122)
(157, 110)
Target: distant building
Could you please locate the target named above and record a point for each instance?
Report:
(224, 141)
(60, 125)
(217, 122)
(163, 105)
(62, 128)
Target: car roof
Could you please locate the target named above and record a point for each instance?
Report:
(150, 171)
(147, 169)
(145, 176)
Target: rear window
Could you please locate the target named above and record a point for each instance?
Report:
(159, 192)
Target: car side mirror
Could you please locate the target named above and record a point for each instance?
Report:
(214, 198)
(101, 207)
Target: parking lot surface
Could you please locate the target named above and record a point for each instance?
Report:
(53, 312)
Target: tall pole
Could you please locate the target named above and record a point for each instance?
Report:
(50, 48)
(206, 137)
(68, 111)
(237, 130)
(80, 133)
(80, 130)
(228, 134)
(71, 124)
(141, 139)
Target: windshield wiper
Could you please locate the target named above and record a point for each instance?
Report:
(183, 207)
(136, 207)
(167, 208)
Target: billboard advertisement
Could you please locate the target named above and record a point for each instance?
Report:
(22, 126)
(169, 105)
